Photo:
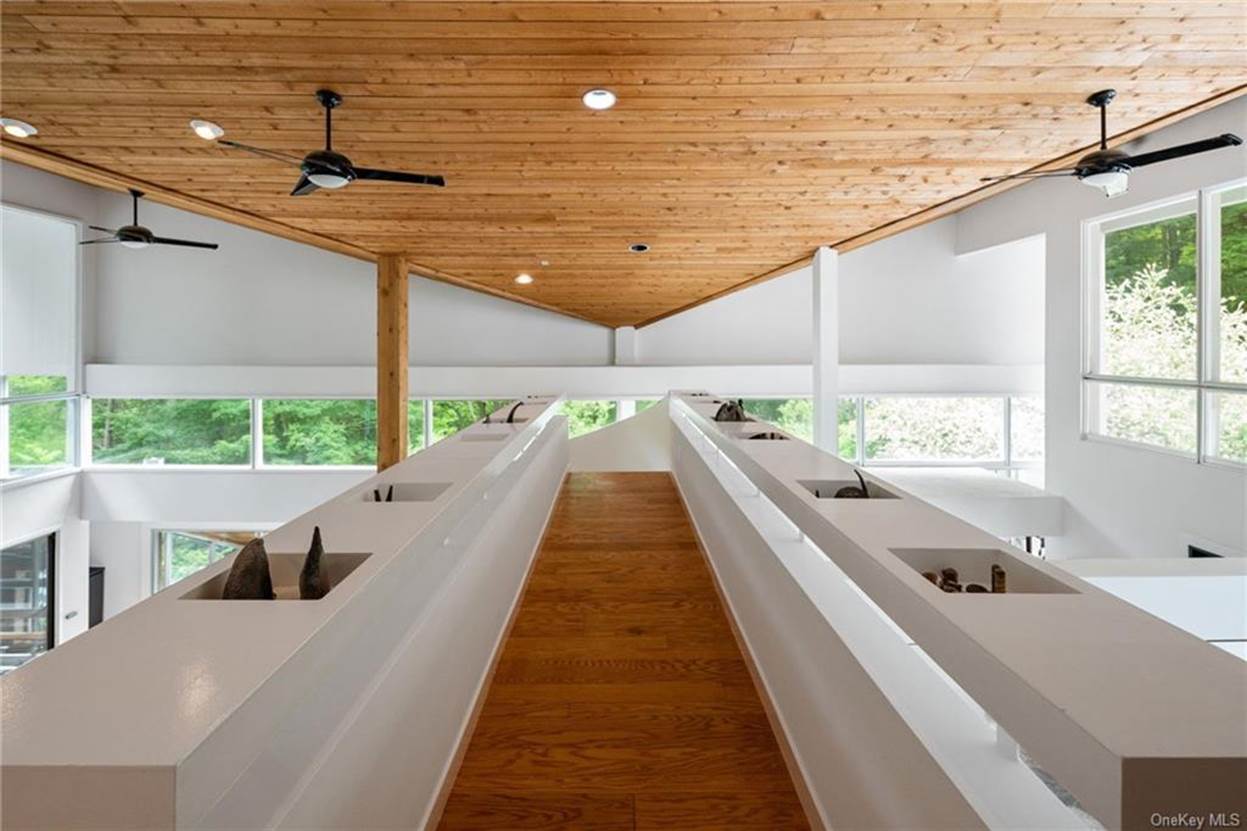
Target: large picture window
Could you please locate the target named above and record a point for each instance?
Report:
(179, 554)
(171, 431)
(39, 348)
(326, 431)
(1166, 334)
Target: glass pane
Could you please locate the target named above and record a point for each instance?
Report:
(19, 385)
(175, 431)
(415, 425)
(39, 436)
(1232, 206)
(451, 416)
(25, 601)
(38, 290)
(1230, 432)
(182, 553)
(333, 431)
(793, 415)
(931, 429)
(1026, 428)
(1148, 318)
(846, 428)
(587, 416)
(643, 404)
(1160, 416)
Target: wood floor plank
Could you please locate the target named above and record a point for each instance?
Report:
(621, 700)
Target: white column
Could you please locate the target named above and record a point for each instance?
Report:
(625, 346)
(826, 358)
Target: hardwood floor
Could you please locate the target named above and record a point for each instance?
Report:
(621, 700)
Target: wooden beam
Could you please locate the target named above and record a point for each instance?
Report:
(391, 360)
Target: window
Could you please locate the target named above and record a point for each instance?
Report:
(934, 429)
(643, 404)
(1166, 344)
(38, 342)
(179, 554)
(451, 416)
(27, 598)
(173, 431)
(415, 425)
(587, 416)
(325, 431)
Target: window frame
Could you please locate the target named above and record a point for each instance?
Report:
(1207, 321)
(73, 384)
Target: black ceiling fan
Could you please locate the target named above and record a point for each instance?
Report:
(328, 168)
(1109, 170)
(135, 235)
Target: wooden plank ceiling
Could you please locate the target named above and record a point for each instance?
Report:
(746, 133)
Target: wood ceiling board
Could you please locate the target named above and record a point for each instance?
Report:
(746, 135)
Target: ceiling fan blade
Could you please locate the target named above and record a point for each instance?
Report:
(304, 186)
(1031, 175)
(398, 176)
(274, 155)
(1180, 150)
(112, 231)
(98, 241)
(186, 243)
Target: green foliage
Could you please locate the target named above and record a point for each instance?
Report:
(320, 431)
(37, 435)
(19, 385)
(643, 404)
(587, 416)
(796, 416)
(175, 431)
(415, 425)
(451, 416)
(1168, 245)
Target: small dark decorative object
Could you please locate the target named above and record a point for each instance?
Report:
(932, 576)
(389, 495)
(950, 586)
(511, 414)
(949, 575)
(850, 492)
(314, 578)
(976, 588)
(999, 583)
(768, 437)
(731, 411)
(249, 577)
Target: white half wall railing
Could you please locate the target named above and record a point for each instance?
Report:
(903, 705)
(341, 712)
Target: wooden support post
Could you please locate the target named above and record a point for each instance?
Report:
(391, 360)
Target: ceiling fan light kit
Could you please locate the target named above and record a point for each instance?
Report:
(1108, 170)
(328, 169)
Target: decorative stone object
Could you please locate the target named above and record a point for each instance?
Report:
(770, 436)
(249, 577)
(932, 576)
(850, 492)
(949, 575)
(314, 578)
(999, 582)
(731, 411)
(976, 588)
(389, 494)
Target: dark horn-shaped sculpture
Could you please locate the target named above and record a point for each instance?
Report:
(850, 492)
(731, 411)
(314, 578)
(389, 495)
(249, 577)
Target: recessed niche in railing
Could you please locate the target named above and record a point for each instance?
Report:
(769, 435)
(973, 566)
(844, 489)
(406, 492)
(494, 436)
(284, 570)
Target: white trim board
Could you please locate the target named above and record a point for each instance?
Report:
(138, 380)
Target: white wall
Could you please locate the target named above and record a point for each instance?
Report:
(908, 299)
(1123, 501)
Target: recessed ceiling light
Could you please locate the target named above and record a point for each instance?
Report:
(17, 128)
(207, 130)
(545, 263)
(523, 279)
(638, 247)
(599, 99)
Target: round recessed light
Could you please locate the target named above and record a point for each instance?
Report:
(17, 128)
(207, 130)
(523, 279)
(545, 263)
(599, 99)
(638, 247)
